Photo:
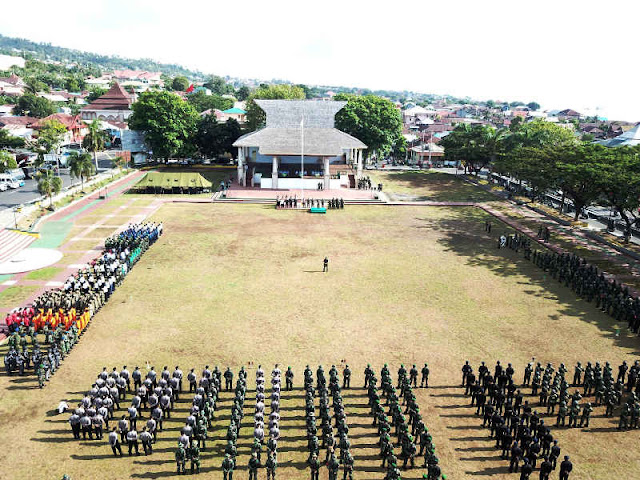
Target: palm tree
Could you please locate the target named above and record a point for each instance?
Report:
(49, 185)
(94, 140)
(120, 162)
(80, 166)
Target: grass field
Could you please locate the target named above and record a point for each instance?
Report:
(46, 273)
(428, 186)
(229, 284)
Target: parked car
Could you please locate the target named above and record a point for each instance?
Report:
(11, 181)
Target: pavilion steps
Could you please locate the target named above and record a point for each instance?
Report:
(272, 201)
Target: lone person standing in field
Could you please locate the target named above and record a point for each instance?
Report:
(325, 265)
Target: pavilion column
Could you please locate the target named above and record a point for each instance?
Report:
(245, 167)
(240, 165)
(359, 169)
(274, 173)
(327, 174)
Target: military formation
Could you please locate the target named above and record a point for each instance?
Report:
(519, 427)
(44, 362)
(194, 434)
(334, 436)
(61, 315)
(286, 202)
(612, 297)
(406, 423)
(153, 394)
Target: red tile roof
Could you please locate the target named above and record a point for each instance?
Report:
(13, 79)
(70, 121)
(26, 121)
(115, 99)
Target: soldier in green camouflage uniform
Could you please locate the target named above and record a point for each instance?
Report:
(181, 458)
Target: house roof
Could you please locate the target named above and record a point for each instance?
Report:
(289, 113)
(629, 138)
(12, 79)
(17, 120)
(115, 99)
(69, 121)
(235, 110)
(568, 113)
(287, 141)
(136, 74)
(283, 132)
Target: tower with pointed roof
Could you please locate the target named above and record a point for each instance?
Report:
(115, 106)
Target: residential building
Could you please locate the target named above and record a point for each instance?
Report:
(12, 86)
(76, 128)
(18, 126)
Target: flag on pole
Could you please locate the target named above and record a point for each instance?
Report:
(190, 89)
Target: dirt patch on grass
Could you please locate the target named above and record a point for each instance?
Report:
(14, 296)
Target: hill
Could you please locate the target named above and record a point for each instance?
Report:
(46, 51)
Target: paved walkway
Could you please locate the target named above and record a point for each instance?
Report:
(55, 228)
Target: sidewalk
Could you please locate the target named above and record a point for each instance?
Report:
(55, 228)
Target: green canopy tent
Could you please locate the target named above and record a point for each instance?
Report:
(173, 182)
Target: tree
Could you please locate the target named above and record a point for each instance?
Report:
(374, 120)
(255, 115)
(9, 141)
(490, 104)
(214, 138)
(73, 84)
(218, 85)
(94, 140)
(95, 93)
(516, 122)
(476, 146)
(49, 139)
(533, 106)
(243, 93)
(201, 101)
(120, 162)
(579, 169)
(168, 123)
(80, 166)
(49, 185)
(7, 161)
(33, 85)
(34, 106)
(180, 83)
(620, 183)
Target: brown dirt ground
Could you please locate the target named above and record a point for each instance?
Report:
(230, 284)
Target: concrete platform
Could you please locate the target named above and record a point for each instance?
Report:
(30, 259)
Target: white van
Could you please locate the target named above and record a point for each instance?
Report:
(11, 181)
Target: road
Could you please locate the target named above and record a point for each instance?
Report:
(29, 192)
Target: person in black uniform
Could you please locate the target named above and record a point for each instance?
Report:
(565, 468)
(516, 453)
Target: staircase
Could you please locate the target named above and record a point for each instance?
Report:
(14, 241)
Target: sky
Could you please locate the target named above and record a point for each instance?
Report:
(560, 53)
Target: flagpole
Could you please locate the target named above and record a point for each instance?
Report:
(302, 155)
